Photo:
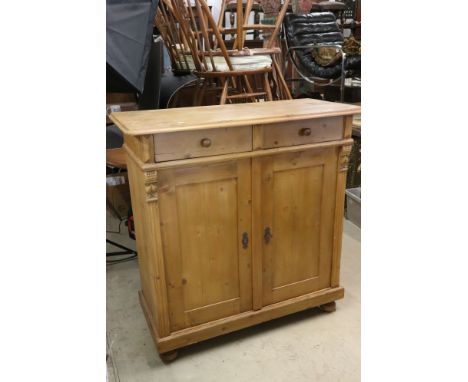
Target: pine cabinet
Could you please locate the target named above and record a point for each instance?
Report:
(238, 213)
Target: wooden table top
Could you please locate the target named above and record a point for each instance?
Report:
(220, 116)
(116, 158)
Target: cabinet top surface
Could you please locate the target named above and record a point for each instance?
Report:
(219, 116)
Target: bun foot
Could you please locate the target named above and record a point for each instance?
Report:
(169, 356)
(329, 307)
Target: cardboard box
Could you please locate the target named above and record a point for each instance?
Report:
(118, 193)
(353, 205)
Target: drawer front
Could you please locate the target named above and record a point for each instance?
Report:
(301, 132)
(201, 143)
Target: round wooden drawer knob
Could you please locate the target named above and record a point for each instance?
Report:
(305, 132)
(205, 142)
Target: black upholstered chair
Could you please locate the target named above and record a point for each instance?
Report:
(305, 35)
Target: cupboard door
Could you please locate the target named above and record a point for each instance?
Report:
(294, 204)
(206, 232)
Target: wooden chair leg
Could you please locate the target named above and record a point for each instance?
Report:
(257, 82)
(233, 82)
(286, 94)
(249, 88)
(224, 92)
(275, 90)
(266, 85)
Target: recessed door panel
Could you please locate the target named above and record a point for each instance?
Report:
(294, 193)
(208, 241)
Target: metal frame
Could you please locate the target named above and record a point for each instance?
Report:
(313, 80)
(126, 250)
(190, 82)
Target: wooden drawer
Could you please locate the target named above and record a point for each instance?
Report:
(300, 132)
(201, 143)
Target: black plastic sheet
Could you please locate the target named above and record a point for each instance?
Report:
(129, 30)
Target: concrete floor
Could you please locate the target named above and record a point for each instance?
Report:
(307, 346)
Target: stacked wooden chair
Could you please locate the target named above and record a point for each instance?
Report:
(194, 41)
(177, 48)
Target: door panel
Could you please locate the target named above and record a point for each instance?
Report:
(298, 230)
(296, 213)
(205, 213)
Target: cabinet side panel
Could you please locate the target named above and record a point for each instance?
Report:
(138, 207)
(343, 153)
(328, 216)
(150, 257)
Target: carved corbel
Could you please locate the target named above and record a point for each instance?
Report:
(344, 157)
(151, 186)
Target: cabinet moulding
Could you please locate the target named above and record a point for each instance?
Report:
(151, 185)
(344, 157)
